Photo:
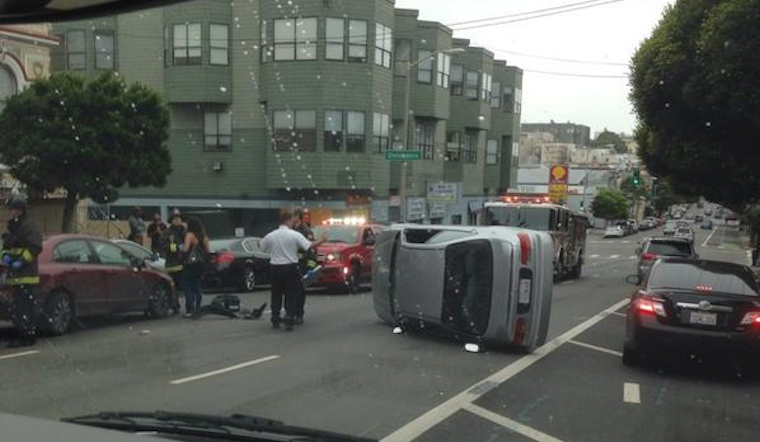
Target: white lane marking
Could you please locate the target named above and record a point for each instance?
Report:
(614, 256)
(223, 370)
(432, 417)
(632, 257)
(631, 393)
(595, 275)
(619, 314)
(515, 426)
(566, 282)
(625, 242)
(704, 244)
(594, 256)
(749, 258)
(597, 348)
(18, 355)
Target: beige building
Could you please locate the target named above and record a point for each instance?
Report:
(531, 144)
(557, 153)
(24, 56)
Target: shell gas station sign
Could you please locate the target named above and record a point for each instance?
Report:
(558, 183)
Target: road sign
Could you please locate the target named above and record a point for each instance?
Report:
(559, 174)
(442, 193)
(403, 155)
(416, 208)
(558, 193)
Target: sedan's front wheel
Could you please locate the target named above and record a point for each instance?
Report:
(248, 283)
(158, 306)
(58, 313)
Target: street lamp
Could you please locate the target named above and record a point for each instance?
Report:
(408, 138)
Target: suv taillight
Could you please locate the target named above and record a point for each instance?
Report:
(648, 256)
(651, 305)
(751, 318)
(225, 258)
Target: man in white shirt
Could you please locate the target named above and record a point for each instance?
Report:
(283, 245)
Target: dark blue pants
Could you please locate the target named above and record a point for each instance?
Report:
(191, 285)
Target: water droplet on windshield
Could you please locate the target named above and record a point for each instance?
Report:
(481, 118)
(708, 124)
(222, 88)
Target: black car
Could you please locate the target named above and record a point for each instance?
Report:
(237, 263)
(684, 303)
(652, 249)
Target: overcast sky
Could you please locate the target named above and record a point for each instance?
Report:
(609, 33)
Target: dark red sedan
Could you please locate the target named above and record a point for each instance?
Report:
(84, 276)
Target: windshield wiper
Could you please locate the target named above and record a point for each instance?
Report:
(237, 427)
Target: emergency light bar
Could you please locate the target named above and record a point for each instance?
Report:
(525, 198)
(348, 221)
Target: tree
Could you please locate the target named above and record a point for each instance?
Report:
(610, 204)
(694, 86)
(607, 138)
(86, 137)
(632, 191)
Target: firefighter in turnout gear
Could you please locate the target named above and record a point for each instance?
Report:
(22, 244)
(172, 240)
(307, 262)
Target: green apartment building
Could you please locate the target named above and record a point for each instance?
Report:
(278, 105)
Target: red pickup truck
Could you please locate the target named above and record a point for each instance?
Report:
(346, 257)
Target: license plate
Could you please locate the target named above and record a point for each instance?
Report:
(702, 318)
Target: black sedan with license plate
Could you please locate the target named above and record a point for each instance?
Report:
(236, 263)
(694, 304)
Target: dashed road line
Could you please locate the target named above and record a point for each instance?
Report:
(631, 393)
(596, 275)
(597, 348)
(513, 425)
(223, 370)
(18, 355)
(434, 416)
(594, 256)
(632, 257)
(614, 256)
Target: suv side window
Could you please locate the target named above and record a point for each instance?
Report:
(73, 252)
(368, 235)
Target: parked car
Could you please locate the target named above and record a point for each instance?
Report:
(684, 303)
(707, 224)
(698, 219)
(652, 249)
(346, 256)
(615, 231)
(82, 276)
(633, 225)
(670, 228)
(152, 259)
(237, 263)
(483, 284)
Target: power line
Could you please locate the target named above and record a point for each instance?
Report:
(518, 14)
(570, 74)
(532, 17)
(564, 60)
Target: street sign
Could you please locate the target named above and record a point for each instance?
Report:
(437, 211)
(416, 209)
(558, 193)
(442, 193)
(559, 174)
(403, 155)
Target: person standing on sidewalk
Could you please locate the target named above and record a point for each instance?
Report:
(155, 232)
(195, 249)
(172, 242)
(22, 244)
(283, 246)
(137, 226)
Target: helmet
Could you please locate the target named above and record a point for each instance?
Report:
(18, 202)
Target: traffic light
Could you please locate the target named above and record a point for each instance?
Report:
(636, 178)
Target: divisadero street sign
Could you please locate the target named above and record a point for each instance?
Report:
(403, 155)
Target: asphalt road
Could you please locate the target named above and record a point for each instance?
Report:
(345, 371)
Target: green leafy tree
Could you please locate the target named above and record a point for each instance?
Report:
(607, 138)
(86, 137)
(632, 191)
(694, 87)
(610, 204)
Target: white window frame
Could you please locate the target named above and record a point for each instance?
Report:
(217, 131)
(292, 42)
(383, 45)
(443, 76)
(219, 46)
(492, 152)
(78, 54)
(356, 133)
(472, 90)
(330, 126)
(381, 127)
(424, 66)
(425, 139)
(189, 45)
(104, 54)
(496, 95)
(357, 40)
(456, 82)
(485, 91)
(335, 39)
